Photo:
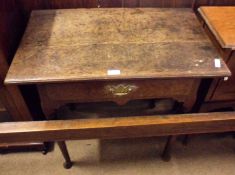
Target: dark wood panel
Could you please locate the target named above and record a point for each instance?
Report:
(131, 3)
(124, 127)
(2, 108)
(199, 3)
(223, 2)
(12, 24)
(111, 3)
(151, 3)
(185, 3)
(10, 16)
(28, 5)
(166, 3)
(10, 96)
(226, 89)
(217, 105)
(73, 3)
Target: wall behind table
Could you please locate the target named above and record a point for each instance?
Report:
(27, 5)
(12, 26)
(11, 29)
(199, 3)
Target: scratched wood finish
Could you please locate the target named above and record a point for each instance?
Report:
(71, 45)
(124, 127)
(20, 16)
(221, 22)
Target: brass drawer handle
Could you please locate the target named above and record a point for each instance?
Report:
(121, 89)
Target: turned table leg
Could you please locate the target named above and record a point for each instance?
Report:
(166, 155)
(63, 148)
(185, 140)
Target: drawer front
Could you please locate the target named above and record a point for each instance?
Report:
(119, 91)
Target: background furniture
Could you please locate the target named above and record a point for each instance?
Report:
(13, 102)
(219, 23)
(11, 97)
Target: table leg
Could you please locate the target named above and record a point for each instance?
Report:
(185, 140)
(166, 155)
(63, 148)
(49, 108)
(202, 93)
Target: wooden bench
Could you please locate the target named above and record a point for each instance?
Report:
(110, 128)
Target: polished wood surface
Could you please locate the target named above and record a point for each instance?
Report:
(123, 127)
(141, 43)
(221, 22)
(225, 53)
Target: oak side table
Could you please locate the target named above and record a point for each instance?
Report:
(95, 55)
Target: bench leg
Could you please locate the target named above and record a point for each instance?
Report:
(63, 148)
(166, 155)
(185, 140)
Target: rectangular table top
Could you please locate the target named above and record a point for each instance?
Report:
(221, 21)
(101, 44)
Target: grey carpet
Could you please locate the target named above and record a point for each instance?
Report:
(205, 155)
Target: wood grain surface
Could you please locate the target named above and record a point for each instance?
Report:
(83, 44)
(221, 21)
(225, 90)
(124, 127)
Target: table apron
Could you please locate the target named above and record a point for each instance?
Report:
(119, 91)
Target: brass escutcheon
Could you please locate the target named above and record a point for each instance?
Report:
(121, 89)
